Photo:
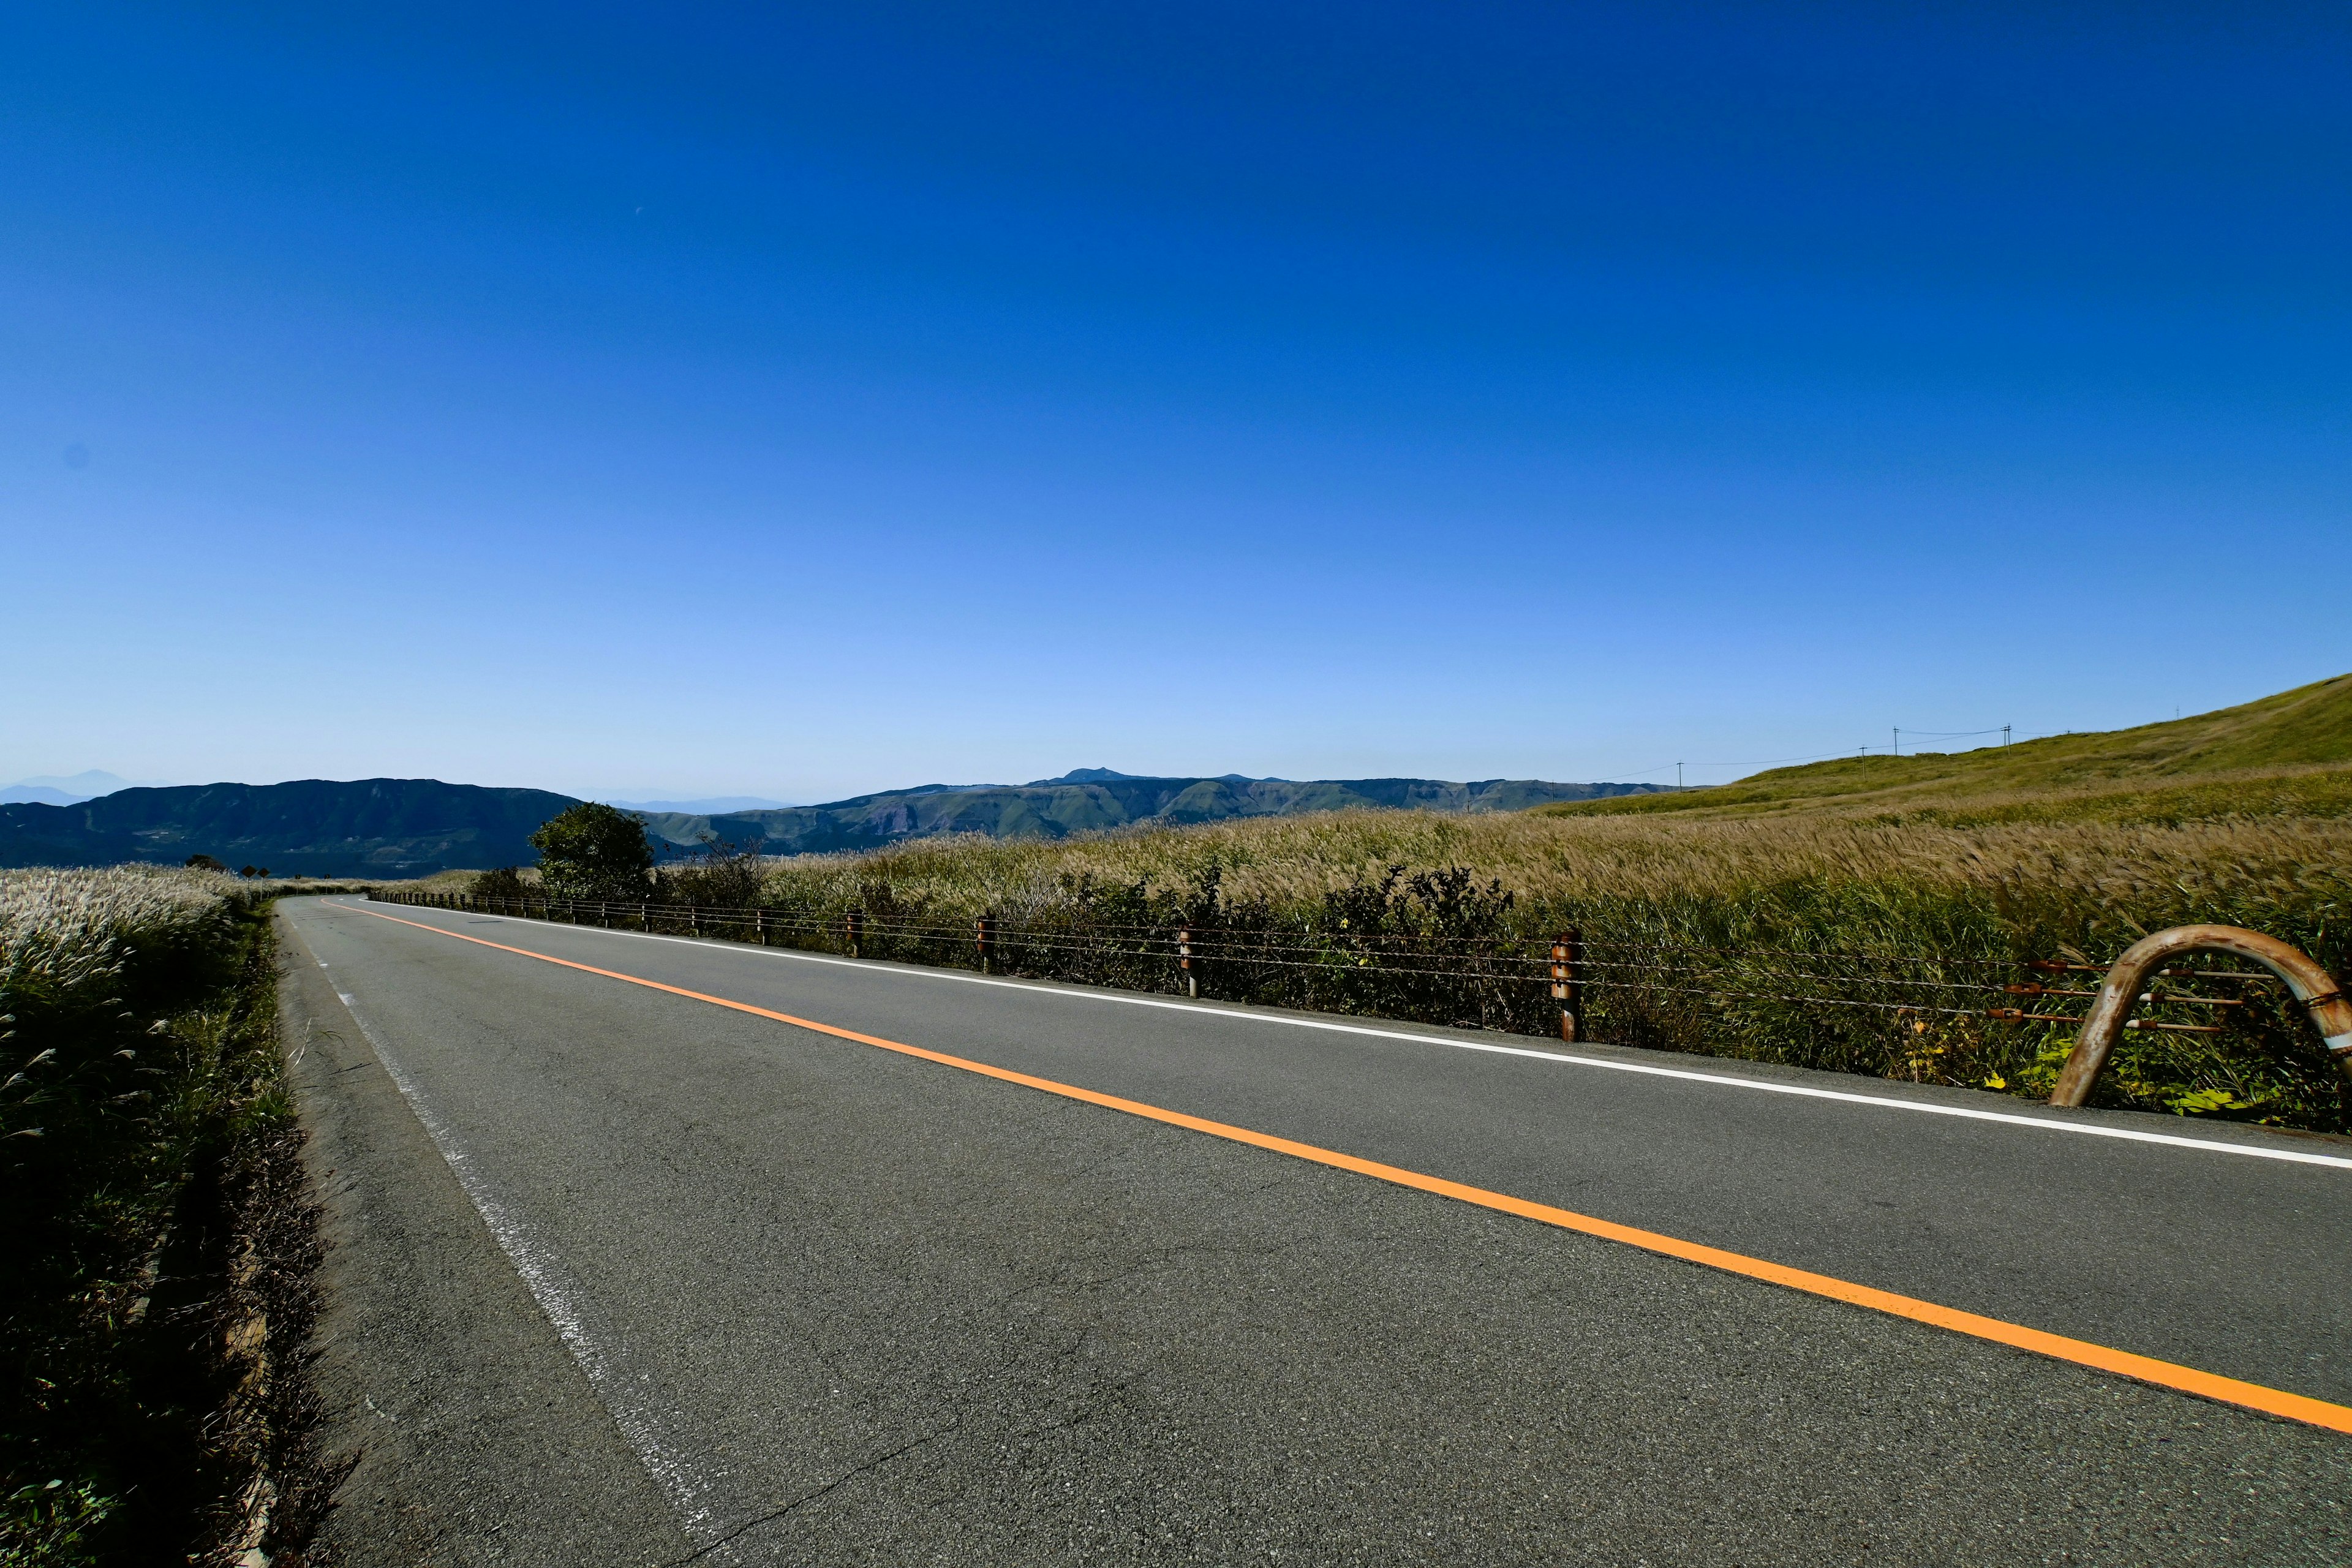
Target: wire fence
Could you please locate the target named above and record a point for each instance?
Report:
(1924, 1016)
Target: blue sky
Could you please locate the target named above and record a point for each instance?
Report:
(802, 402)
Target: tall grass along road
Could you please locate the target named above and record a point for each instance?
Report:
(629, 1276)
(157, 1287)
(1866, 916)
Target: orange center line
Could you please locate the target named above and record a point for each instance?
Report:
(2145, 1368)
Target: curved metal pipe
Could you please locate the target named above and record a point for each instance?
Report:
(2313, 986)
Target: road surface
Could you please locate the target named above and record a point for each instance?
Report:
(624, 1275)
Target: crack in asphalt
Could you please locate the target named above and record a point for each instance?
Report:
(954, 1423)
(802, 1501)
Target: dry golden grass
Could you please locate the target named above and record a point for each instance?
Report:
(2139, 870)
(1792, 937)
(2288, 754)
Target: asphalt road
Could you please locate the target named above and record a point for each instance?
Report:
(623, 1276)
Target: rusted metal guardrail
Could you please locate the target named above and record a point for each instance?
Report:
(2125, 987)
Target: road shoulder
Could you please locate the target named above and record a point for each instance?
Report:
(477, 1438)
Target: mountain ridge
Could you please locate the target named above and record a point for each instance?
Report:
(360, 828)
(1055, 808)
(396, 828)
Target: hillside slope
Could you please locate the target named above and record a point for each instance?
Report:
(1093, 798)
(2290, 753)
(369, 828)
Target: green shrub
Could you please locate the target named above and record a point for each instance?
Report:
(505, 882)
(593, 851)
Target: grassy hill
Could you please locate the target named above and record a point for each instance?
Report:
(2285, 756)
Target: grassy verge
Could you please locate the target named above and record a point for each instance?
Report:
(161, 1247)
(1856, 944)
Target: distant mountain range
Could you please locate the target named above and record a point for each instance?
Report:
(412, 827)
(372, 827)
(51, 790)
(704, 807)
(1091, 798)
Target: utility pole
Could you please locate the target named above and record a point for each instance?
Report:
(2004, 735)
(1899, 740)
(1678, 775)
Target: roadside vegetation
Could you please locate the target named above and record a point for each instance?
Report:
(593, 851)
(1849, 945)
(159, 1246)
(1866, 916)
(1842, 943)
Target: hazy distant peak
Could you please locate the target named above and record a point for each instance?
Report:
(1111, 775)
(55, 789)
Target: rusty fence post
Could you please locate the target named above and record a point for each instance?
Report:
(987, 938)
(854, 925)
(1567, 978)
(1184, 961)
(2126, 984)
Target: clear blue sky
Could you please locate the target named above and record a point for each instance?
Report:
(806, 400)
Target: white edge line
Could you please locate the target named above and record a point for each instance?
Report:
(639, 1422)
(2040, 1123)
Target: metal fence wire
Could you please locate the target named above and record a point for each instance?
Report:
(1894, 1015)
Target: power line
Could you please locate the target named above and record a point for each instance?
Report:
(2003, 731)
